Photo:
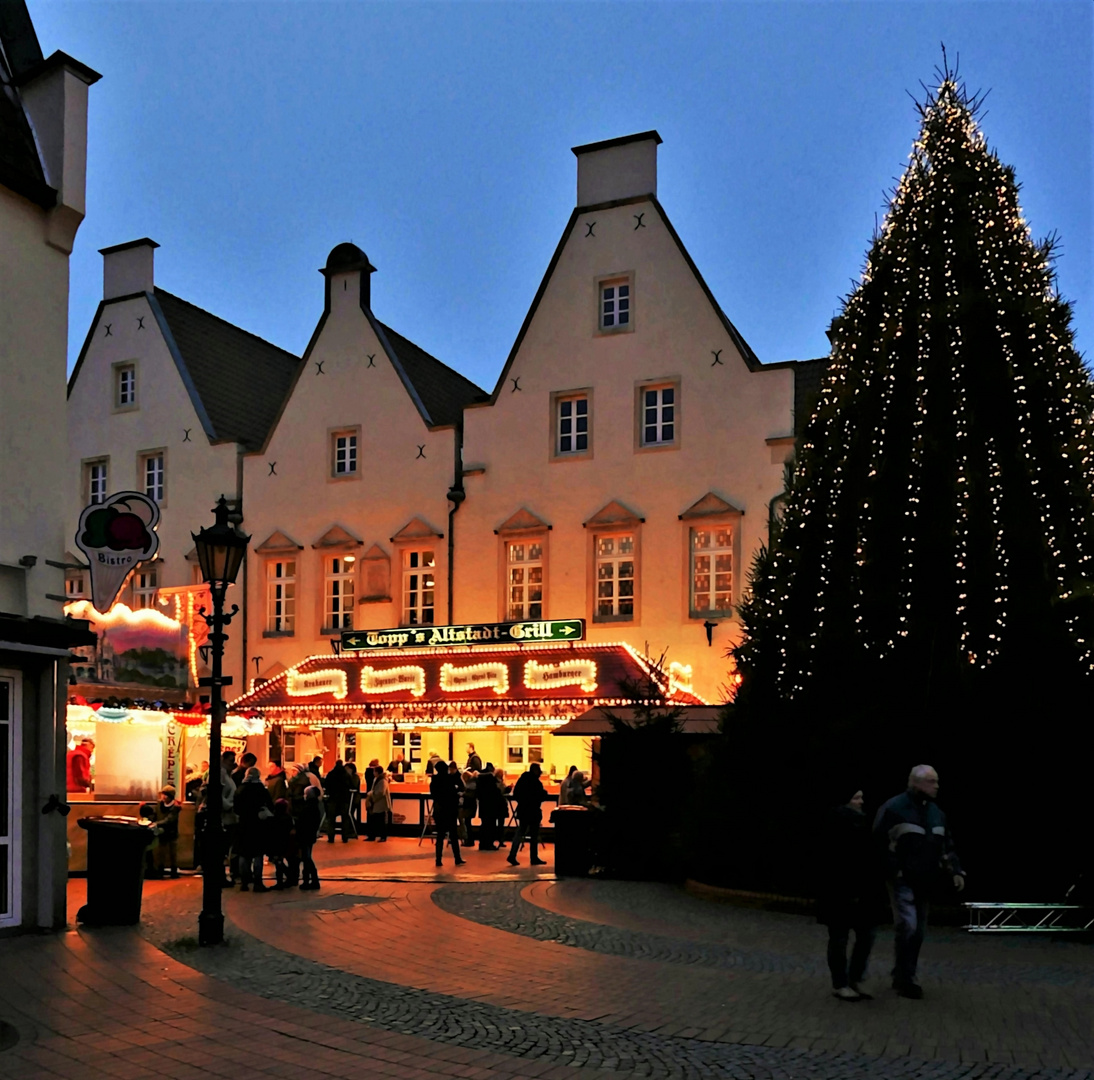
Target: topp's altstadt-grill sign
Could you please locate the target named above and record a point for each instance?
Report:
(424, 637)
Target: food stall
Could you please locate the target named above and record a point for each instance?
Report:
(507, 700)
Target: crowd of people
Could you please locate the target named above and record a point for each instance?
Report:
(898, 863)
(280, 817)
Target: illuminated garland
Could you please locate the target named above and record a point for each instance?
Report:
(581, 673)
(487, 676)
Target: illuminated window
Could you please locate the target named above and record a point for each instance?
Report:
(525, 569)
(523, 747)
(615, 304)
(344, 453)
(419, 587)
(152, 470)
(573, 425)
(711, 570)
(144, 588)
(658, 415)
(281, 596)
(288, 748)
(615, 576)
(97, 476)
(338, 610)
(125, 385)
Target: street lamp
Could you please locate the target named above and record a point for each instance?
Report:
(220, 552)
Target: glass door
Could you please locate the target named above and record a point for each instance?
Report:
(10, 687)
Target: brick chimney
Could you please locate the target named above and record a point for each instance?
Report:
(617, 168)
(128, 268)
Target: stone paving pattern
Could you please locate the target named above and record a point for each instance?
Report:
(495, 978)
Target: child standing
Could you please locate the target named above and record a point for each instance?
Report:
(167, 822)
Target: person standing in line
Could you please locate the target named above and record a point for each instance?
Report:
(530, 795)
(279, 842)
(78, 766)
(920, 856)
(277, 783)
(378, 805)
(446, 807)
(315, 767)
(489, 800)
(338, 789)
(474, 762)
(248, 761)
(370, 774)
(255, 809)
(468, 807)
(167, 821)
(564, 798)
(307, 831)
(847, 899)
(354, 797)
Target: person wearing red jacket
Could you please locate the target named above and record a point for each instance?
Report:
(78, 766)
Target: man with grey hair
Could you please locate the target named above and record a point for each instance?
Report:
(919, 854)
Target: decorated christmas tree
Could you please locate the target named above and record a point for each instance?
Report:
(927, 595)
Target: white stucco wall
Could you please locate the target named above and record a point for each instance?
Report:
(393, 484)
(725, 413)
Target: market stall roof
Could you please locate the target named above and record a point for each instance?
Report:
(694, 720)
(507, 685)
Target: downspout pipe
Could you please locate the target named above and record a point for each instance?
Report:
(456, 496)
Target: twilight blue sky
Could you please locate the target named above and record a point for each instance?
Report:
(250, 138)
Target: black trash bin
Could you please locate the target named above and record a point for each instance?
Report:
(573, 840)
(115, 870)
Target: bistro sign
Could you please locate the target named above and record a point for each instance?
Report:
(425, 637)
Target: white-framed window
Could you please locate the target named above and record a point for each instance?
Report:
(615, 304)
(344, 453)
(573, 425)
(338, 592)
(288, 748)
(281, 596)
(615, 576)
(419, 586)
(145, 582)
(97, 479)
(153, 475)
(658, 419)
(74, 585)
(125, 385)
(524, 570)
(711, 570)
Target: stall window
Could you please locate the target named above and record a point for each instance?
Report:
(419, 587)
(711, 571)
(281, 596)
(339, 592)
(524, 747)
(410, 742)
(525, 584)
(288, 747)
(349, 746)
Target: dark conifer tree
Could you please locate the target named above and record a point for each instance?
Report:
(928, 594)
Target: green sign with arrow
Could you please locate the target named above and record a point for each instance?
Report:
(426, 637)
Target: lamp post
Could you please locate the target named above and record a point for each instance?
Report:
(220, 552)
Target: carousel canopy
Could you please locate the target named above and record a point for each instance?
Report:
(542, 685)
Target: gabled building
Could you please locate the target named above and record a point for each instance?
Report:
(623, 468)
(350, 500)
(165, 399)
(43, 156)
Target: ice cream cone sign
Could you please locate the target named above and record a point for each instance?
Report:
(117, 535)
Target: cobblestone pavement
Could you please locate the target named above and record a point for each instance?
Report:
(564, 980)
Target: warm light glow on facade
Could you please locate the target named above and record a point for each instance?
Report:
(122, 615)
(566, 673)
(393, 680)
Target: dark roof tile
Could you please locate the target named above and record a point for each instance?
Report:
(241, 380)
(444, 392)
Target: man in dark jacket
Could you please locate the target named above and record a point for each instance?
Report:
(444, 789)
(474, 762)
(920, 856)
(530, 794)
(337, 786)
(255, 809)
(490, 801)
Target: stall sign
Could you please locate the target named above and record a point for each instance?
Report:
(171, 738)
(425, 637)
(116, 535)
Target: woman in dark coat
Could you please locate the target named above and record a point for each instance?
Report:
(444, 789)
(307, 829)
(490, 801)
(848, 895)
